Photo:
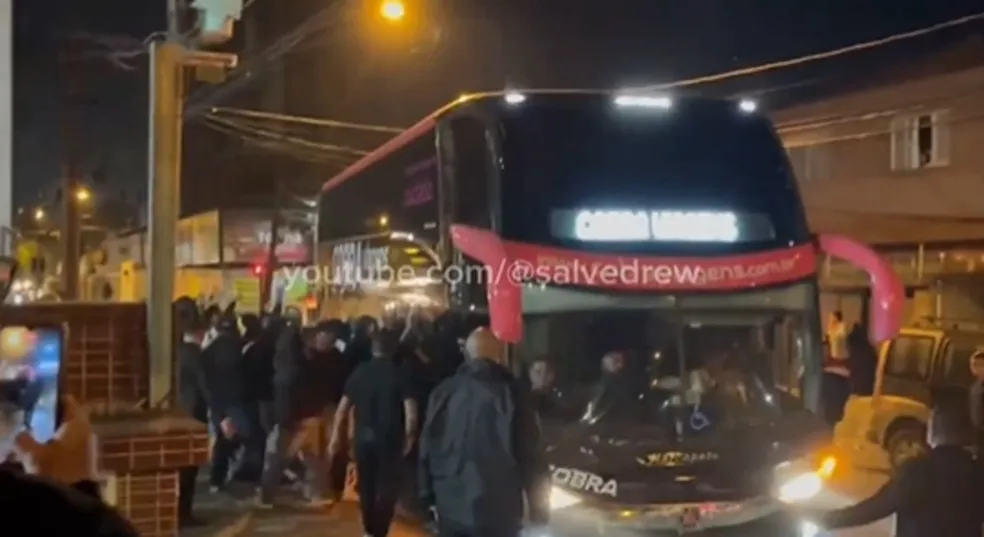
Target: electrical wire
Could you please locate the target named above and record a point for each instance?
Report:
(782, 64)
(201, 101)
(271, 135)
(292, 139)
(280, 147)
(302, 120)
(877, 132)
(834, 119)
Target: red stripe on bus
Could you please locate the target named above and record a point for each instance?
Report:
(421, 128)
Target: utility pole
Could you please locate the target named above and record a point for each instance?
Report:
(169, 60)
(72, 99)
(270, 266)
(6, 120)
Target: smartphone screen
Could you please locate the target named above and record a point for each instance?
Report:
(30, 364)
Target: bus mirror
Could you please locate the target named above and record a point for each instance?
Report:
(887, 289)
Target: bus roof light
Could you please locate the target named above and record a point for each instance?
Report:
(639, 101)
(514, 98)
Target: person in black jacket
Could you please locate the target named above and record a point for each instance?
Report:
(359, 348)
(270, 327)
(254, 372)
(301, 401)
(863, 361)
(227, 387)
(484, 420)
(332, 370)
(385, 427)
(193, 398)
(940, 493)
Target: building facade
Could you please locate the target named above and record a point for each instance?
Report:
(900, 165)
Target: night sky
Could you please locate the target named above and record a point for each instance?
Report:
(456, 46)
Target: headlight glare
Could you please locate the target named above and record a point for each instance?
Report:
(560, 498)
(801, 488)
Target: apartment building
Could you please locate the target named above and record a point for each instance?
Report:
(901, 165)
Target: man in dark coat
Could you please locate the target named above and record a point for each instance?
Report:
(226, 384)
(466, 418)
(939, 493)
(193, 398)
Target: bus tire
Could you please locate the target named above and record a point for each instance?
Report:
(905, 440)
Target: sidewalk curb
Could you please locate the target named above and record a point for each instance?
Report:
(237, 527)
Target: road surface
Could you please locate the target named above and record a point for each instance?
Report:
(342, 519)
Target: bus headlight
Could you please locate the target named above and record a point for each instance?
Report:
(800, 488)
(798, 483)
(561, 499)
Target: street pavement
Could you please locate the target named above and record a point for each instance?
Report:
(232, 515)
(341, 520)
(231, 518)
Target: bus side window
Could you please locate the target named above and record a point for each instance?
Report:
(471, 173)
(471, 205)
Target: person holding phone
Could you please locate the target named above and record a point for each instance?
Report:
(62, 478)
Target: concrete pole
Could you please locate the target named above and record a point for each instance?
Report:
(72, 100)
(6, 116)
(164, 190)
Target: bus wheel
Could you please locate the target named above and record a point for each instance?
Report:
(906, 441)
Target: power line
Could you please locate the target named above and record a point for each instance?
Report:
(291, 139)
(304, 154)
(817, 56)
(302, 120)
(833, 119)
(878, 132)
(201, 101)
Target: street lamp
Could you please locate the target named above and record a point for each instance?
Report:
(83, 194)
(39, 214)
(393, 10)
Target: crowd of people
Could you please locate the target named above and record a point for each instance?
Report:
(434, 398)
(276, 395)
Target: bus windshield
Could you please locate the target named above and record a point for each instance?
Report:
(641, 366)
(563, 154)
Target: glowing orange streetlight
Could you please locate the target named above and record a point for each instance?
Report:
(393, 10)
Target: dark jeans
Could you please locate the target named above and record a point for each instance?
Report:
(283, 446)
(379, 471)
(268, 416)
(253, 442)
(187, 477)
(224, 450)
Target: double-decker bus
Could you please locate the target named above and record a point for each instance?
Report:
(667, 232)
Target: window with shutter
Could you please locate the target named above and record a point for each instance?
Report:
(941, 134)
(901, 129)
(920, 141)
